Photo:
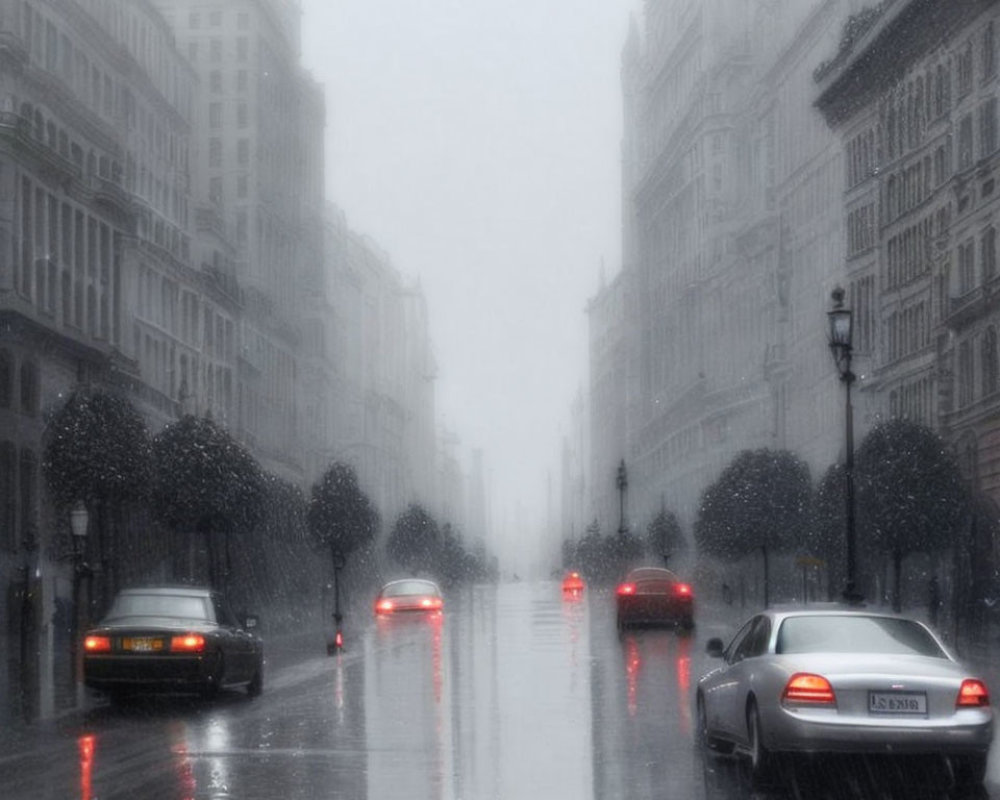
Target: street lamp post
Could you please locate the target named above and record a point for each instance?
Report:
(339, 562)
(841, 330)
(622, 482)
(78, 522)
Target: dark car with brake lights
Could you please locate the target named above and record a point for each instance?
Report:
(409, 595)
(573, 583)
(842, 680)
(166, 638)
(654, 596)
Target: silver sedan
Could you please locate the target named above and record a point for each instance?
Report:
(842, 680)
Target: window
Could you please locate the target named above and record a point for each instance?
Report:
(194, 20)
(215, 18)
(966, 378)
(243, 152)
(193, 52)
(242, 48)
(8, 497)
(965, 70)
(988, 127)
(215, 53)
(241, 81)
(241, 115)
(215, 115)
(965, 143)
(29, 388)
(215, 153)
(966, 268)
(29, 506)
(243, 21)
(989, 51)
(6, 379)
(215, 190)
(988, 253)
(215, 81)
(989, 361)
(241, 186)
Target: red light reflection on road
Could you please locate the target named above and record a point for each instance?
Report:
(683, 669)
(86, 745)
(633, 663)
(435, 622)
(185, 771)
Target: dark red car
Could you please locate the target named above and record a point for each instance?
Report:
(654, 596)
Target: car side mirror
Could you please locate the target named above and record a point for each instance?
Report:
(250, 622)
(715, 648)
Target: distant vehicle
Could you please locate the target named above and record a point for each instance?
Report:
(842, 681)
(409, 595)
(573, 583)
(167, 638)
(654, 596)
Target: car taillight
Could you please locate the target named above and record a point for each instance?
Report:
(97, 644)
(682, 589)
(384, 605)
(188, 643)
(804, 687)
(973, 693)
(431, 602)
(626, 588)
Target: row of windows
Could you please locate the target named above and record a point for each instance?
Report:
(67, 259)
(913, 401)
(215, 18)
(215, 48)
(18, 497)
(911, 185)
(908, 331)
(989, 368)
(861, 295)
(988, 134)
(215, 115)
(908, 253)
(966, 253)
(861, 229)
(215, 81)
(860, 157)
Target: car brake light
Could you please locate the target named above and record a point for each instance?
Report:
(188, 643)
(626, 588)
(97, 644)
(384, 605)
(682, 589)
(972, 694)
(431, 602)
(804, 687)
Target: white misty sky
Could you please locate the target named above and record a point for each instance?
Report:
(477, 142)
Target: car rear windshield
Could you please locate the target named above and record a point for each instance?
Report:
(162, 605)
(855, 634)
(404, 588)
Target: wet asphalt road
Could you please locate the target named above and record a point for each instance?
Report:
(515, 692)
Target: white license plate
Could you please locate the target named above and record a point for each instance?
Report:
(897, 703)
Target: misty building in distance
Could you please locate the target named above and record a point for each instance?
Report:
(258, 164)
(732, 241)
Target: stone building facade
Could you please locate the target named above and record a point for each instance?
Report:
(731, 245)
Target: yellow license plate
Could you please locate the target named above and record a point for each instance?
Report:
(142, 644)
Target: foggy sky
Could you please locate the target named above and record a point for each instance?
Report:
(477, 141)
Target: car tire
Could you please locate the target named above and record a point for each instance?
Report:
(761, 759)
(968, 771)
(256, 685)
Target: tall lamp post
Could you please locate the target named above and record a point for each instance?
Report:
(339, 562)
(841, 330)
(621, 481)
(78, 522)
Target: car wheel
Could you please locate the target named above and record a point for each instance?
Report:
(968, 770)
(761, 759)
(256, 685)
